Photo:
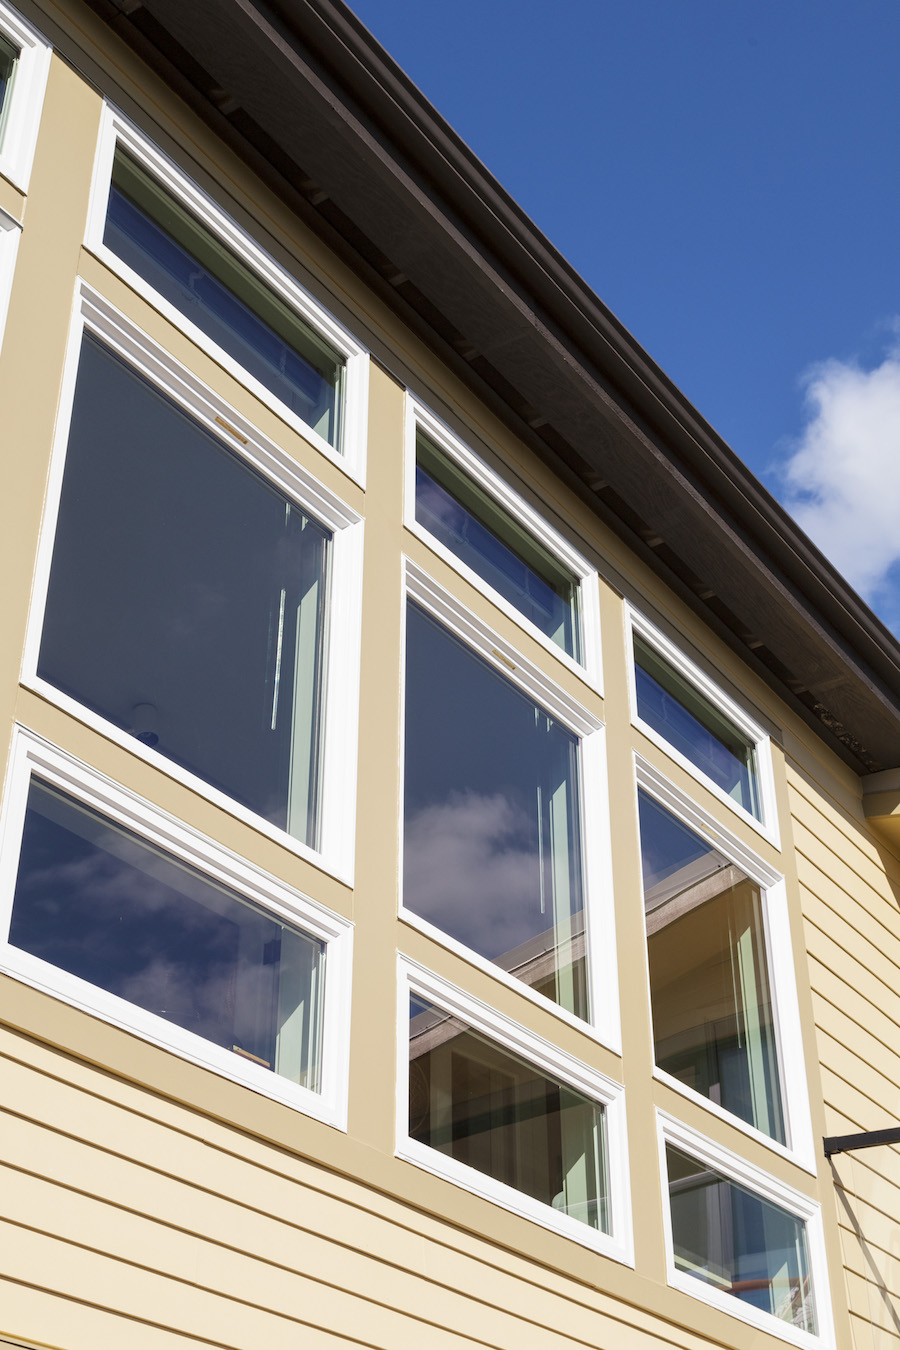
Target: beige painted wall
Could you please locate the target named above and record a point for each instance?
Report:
(145, 1201)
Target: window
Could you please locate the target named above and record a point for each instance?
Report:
(501, 770)
(713, 1015)
(171, 242)
(175, 563)
(24, 63)
(492, 832)
(120, 910)
(742, 1240)
(473, 520)
(9, 56)
(182, 260)
(494, 1108)
(193, 598)
(481, 534)
(681, 709)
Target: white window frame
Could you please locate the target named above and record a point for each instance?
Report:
(338, 767)
(26, 97)
(635, 622)
(10, 233)
(594, 823)
(414, 979)
(116, 129)
(32, 756)
(419, 417)
(738, 1169)
(800, 1147)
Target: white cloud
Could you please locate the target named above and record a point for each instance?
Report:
(843, 476)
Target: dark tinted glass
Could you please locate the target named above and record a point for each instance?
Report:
(713, 1020)
(692, 725)
(98, 902)
(187, 597)
(734, 1240)
(186, 263)
(473, 526)
(9, 55)
(473, 1101)
(492, 839)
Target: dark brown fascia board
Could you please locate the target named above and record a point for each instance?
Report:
(310, 78)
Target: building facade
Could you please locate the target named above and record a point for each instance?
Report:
(449, 862)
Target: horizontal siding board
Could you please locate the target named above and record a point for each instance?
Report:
(234, 1195)
(852, 837)
(857, 1007)
(299, 1272)
(867, 1299)
(870, 1065)
(876, 952)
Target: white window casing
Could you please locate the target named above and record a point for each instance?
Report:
(338, 762)
(599, 909)
(419, 417)
(32, 756)
(415, 980)
(118, 130)
(737, 1169)
(636, 623)
(26, 97)
(800, 1147)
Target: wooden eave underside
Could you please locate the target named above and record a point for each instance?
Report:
(305, 94)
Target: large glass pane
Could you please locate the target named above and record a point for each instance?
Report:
(713, 1023)
(692, 725)
(475, 1102)
(100, 903)
(471, 524)
(492, 839)
(732, 1239)
(186, 263)
(187, 597)
(9, 55)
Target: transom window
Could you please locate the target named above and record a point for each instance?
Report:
(187, 597)
(492, 851)
(684, 717)
(181, 258)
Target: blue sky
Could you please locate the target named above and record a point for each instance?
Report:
(725, 174)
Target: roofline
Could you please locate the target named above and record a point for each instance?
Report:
(841, 669)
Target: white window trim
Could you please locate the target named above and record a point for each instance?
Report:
(33, 756)
(618, 1243)
(10, 233)
(635, 622)
(26, 97)
(420, 417)
(800, 1148)
(116, 129)
(738, 1169)
(599, 909)
(337, 809)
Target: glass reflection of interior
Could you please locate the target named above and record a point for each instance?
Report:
(475, 1102)
(9, 56)
(713, 1022)
(471, 524)
(183, 261)
(98, 902)
(492, 851)
(732, 1239)
(187, 597)
(692, 725)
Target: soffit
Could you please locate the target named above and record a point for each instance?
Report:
(315, 104)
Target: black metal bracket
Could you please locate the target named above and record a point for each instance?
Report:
(843, 1143)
